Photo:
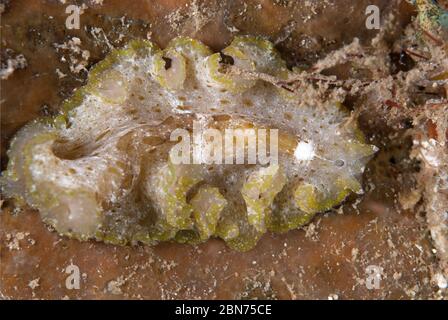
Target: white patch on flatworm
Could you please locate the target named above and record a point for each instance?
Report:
(304, 151)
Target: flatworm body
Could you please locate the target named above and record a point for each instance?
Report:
(103, 169)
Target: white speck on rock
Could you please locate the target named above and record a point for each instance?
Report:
(333, 297)
(441, 281)
(33, 284)
(114, 286)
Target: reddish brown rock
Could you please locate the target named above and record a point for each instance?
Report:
(326, 259)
